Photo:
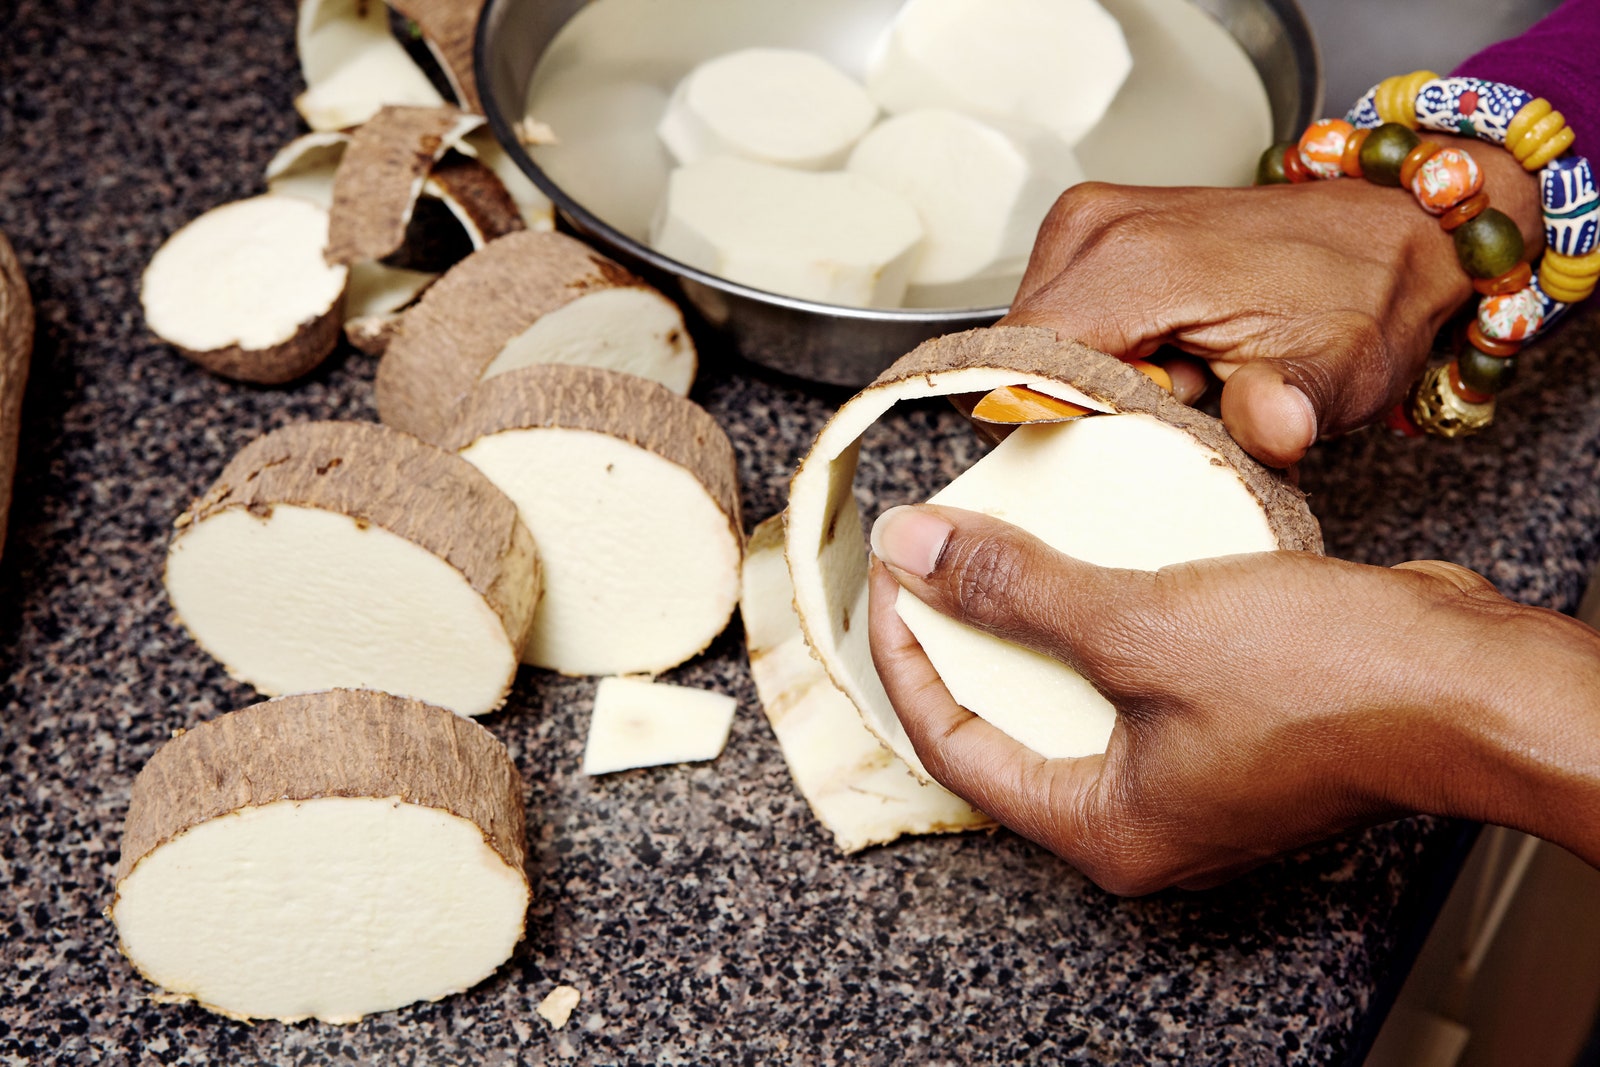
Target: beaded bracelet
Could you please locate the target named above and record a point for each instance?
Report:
(1377, 141)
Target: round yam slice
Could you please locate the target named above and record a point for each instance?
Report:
(348, 555)
(243, 290)
(632, 494)
(323, 856)
(1148, 482)
(524, 300)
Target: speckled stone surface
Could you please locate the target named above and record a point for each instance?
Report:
(702, 913)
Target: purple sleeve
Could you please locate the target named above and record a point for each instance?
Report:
(1558, 59)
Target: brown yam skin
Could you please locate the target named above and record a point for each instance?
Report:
(624, 406)
(449, 27)
(468, 316)
(298, 356)
(381, 175)
(480, 195)
(1034, 350)
(392, 480)
(16, 349)
(340, 743)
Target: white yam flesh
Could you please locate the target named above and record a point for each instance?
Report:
(1055, 65)
(773, 105)
(980, 195)
(632, 329)
(352, 64)
(859, 791)
(835, 238)
(1123, 491)
(249, 274)
(325, 857)
(639, 723)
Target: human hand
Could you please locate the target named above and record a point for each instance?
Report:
(1316, 303)
(1264, 702)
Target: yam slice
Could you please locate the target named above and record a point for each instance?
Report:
(353, 65)
(476, 197)
(243, 290)
(640, 723)
(342, 554)
(632, 494)
(382, 174)
(449, 28)
(16, 350)
(859, 790)
(524, 300)
(323, 856)
(537, 212)
(1125, 486)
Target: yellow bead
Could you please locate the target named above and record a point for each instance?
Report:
(1550, 149)
(1565, 294)
(1526, 116)
(1536, 135)
(1396, 98)
(1575, 269)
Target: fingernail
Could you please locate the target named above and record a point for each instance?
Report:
(1308, 414)
(911, 539)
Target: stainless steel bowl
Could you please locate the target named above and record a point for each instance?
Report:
(658, 41)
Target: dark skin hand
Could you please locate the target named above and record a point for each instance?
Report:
(1264, 702)
(1316, 304)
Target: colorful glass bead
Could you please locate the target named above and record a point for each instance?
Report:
(1553, 309)
(1470, 107)
(1396, 97)
(1488, 245)
(1414, 161)
(1269, 171)
(1490, 346)
(1399, 422)
(1294, 167)
(1446, 178)
(1513, 316)
(1322, 146)
(1518, 277)
(1483, 373)
(1462, 389)
(1384, 151)
(1364, 114)
(1571, 206)
(1350, 160)
(1538, 134)
(1437, 408)
(1466, 211)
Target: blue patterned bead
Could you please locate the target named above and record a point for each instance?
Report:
(1364, 116)
(1571, 206)
(1470, 107)
(1553, 309)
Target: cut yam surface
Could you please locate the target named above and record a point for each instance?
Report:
(860, 791)
(639, 723)
(825, 539)
(16, 348)
(353, 65)
(631, 493)
(243, 290)
(774, 105)
(346, 554)
(323, 856)
(837, 238)
(489, 314)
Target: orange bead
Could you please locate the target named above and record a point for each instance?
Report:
(1350, 162)
(1488, 345)
(1417, 157)
(1464, 212)
(1322, 146)
(1471, 396)
(1444, 179)
(1294, 168)
(1518, 277)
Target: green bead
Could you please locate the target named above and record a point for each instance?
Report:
(1270, 170)
(1488, 245)
(1385, 149)
(1483, 373)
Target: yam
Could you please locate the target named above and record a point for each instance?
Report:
(16, 350)
(640, 723)
(353, 65)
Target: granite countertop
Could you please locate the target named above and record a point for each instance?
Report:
(702, 912)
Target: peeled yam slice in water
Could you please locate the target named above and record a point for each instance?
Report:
(1151, 482)
(859, 790)
(524, 300)
(632, 494)
(346, 554)
(323, 856)
(244, 291)
(353, 65)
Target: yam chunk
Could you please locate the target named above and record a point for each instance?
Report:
(353, 65)
(16, 348)
(632, 495)
(524, 300)
(640, 723)
(323, 856)
(1251, 506)
(348, 555)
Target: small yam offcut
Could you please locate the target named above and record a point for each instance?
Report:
(640, 723)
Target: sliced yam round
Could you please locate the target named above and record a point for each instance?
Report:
(323, 856)
(382, 173)
(353, 65)
(244, 291)
(346, 554)
(1111, 487)
(525, 299)
(632, 494)
(16, 348)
